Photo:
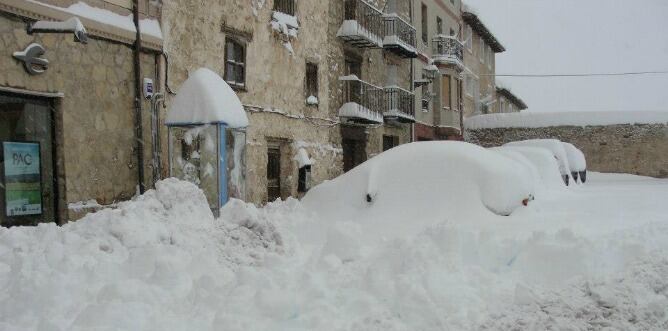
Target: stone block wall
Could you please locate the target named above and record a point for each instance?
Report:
(94, 121)
(274, 96)
(634, 149)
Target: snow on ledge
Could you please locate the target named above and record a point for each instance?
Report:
(354, 110)
(148, 26)
(550, 119)
(205, 98)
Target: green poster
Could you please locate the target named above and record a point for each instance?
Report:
(23, 180)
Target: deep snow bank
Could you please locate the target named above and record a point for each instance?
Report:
(157, 263)
(435, 180)
(162, 262)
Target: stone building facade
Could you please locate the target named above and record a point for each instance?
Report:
(80, 109)
(291, 89)
(640, 149)
(439, 69)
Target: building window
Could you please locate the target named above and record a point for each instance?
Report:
(471, 86)
(452, 32)
(426, 96)
(285, 6)
(425, 25)
(489, 54)
(311, 84)
(439, 25)
(390, 142)
(446, 95)
(304, 182)
(458, 96)
(353, 66)
(469, 38)
(481, 53)
(235, 63)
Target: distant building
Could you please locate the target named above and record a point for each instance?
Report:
(480, 61)
(438, 69)
(507, 102)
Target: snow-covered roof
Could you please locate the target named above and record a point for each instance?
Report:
(479, 27)
(205, 98)
(508, 94)
(550, 119)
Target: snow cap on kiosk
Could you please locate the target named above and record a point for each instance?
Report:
(205, 98)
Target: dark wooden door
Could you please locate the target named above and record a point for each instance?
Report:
(273, 173)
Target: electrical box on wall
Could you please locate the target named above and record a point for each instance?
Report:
(148, 88)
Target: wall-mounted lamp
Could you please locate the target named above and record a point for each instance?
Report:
(72, 25)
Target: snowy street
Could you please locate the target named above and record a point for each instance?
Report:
(591, 257)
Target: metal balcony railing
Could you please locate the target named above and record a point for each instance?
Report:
(285, 6)
(362, 102)
(400, 104)
(362, 25)
(448, 50)
(399, 36)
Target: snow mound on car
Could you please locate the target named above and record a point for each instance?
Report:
(436, 180)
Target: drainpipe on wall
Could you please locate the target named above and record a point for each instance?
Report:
(139, 132)
(461, 109)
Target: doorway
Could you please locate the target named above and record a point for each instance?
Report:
(273, 172)
(27, 181)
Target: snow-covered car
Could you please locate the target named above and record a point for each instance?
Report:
(539, 162)
(558, 151)
(435, 180)
(577, 161)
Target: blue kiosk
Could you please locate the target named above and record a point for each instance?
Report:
(207, 137)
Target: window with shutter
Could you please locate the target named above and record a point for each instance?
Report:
(446, 97)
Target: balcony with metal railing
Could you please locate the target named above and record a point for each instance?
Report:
(399, 36)
(449, 51)
(362, 25)
(362, 102)
(399, 105)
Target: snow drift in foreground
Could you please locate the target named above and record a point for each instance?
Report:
(571, 260)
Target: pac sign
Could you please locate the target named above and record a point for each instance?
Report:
(31, 59)
(19, 159)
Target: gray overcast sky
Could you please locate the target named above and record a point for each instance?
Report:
(582, 36)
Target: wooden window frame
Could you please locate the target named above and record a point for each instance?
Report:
(424, 16)
(447, 104)
(236, 42)
(311, 86)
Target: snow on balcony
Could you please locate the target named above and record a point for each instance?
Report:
(399, 105)
(399, 36)
(448, 50)
(362, 25)
(362, 102)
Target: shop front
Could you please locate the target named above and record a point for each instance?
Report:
(27, 150)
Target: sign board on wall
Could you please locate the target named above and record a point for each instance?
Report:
(23, 179)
